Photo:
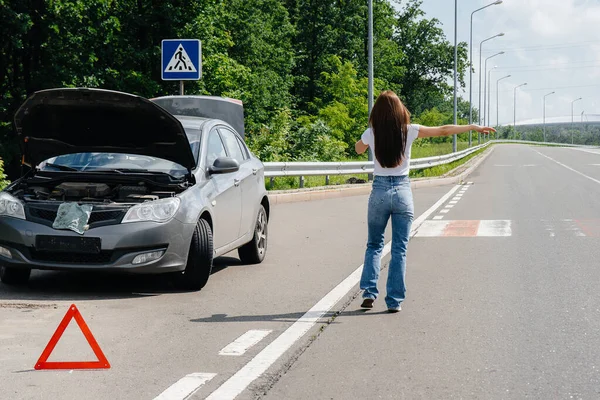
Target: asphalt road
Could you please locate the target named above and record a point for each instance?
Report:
(502, 303)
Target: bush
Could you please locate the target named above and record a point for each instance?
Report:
(3, 181)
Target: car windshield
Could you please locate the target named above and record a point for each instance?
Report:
(121, 161)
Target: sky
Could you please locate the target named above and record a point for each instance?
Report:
(552, 45)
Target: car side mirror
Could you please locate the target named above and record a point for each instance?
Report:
(224, 165)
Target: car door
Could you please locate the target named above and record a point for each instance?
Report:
(245, 176)
(226, 198)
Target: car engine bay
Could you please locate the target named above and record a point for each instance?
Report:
(91, 192)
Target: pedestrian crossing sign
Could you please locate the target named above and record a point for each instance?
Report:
(181, 59)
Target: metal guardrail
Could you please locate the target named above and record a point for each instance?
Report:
(278, 169)
(302, 168)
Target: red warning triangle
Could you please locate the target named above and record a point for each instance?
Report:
(72, 313)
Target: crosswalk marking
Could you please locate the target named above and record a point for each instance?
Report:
(465, 228)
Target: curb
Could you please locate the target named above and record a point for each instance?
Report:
(364, 189)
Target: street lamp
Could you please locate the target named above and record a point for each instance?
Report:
(545, 113)
(572, 118)
(515, 109)
(487, 120)
(370, 72)
(486, 79)
(455, 108)
(471, 64)
(497, 99)
(480, 51)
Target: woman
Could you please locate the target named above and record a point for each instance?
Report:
(390, 135)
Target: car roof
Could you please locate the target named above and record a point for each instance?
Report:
(190, 122)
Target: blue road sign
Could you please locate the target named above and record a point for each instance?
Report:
(181, 60)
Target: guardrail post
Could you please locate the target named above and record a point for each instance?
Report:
(271, 182)
(326, 180)
(301, 182)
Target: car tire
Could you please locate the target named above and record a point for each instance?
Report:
(200, 259)
(14, 276)
(254, 251)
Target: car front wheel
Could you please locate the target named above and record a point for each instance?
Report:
(14, 276)
(200, 259)
(254, 251)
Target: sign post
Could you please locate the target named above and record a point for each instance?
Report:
(181, 60)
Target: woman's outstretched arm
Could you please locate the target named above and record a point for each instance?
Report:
(448, 130)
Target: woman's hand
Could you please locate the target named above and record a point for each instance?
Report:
(483, 129)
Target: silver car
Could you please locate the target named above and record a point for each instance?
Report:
(117, 182)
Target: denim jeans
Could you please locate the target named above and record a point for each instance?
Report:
(391, 196)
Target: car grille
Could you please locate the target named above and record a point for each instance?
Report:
(104, 257)
(46, 214)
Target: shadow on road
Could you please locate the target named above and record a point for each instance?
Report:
(89, 285)
(288, 317)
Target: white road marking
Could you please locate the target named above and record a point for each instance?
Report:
(569, 168)
(433, 228)
(530, 165)
(453, 202)
(502, 165)
(494, 228)
(438, 217)
(444, 211)
(263, 360)
(244, 342)
(586, 150)
(595, 165)
(185, 387)
(469, 183)
(449, 206)
(456, 199)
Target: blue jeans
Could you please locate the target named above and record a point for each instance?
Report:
(391, 196)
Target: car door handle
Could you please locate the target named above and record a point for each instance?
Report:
(236, 182)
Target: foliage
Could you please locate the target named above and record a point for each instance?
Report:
(3, 181)
(299, 66)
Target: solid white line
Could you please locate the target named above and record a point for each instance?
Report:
(569, 168)
(244, 342)
(263, 360)
(185, 387)
(586, 150)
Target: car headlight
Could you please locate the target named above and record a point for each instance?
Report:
(157, 211)
(11, 206)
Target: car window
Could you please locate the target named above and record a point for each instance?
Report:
(232, 144)
(244, 148)
(215, 147)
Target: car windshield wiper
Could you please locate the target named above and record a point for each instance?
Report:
(129, 170)
(61, 167)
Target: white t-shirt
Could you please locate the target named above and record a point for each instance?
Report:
(402, 169)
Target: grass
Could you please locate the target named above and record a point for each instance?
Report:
(285, 183)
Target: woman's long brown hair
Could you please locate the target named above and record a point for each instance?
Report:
(389, 122)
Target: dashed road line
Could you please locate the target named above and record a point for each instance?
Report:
(185, 387)
(244, 342)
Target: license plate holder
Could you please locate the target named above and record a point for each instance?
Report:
(68, 244)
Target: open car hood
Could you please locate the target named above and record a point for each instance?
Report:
(63, 121)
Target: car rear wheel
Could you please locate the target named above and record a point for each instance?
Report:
(200, 259)
(254, 251)
(14, 276)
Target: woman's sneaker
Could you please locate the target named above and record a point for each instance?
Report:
(367, 303)
(394, 309)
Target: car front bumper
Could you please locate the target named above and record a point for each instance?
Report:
(120, 244)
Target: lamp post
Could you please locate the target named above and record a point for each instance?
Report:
(545, 113)
(455, 69)
(487, 121)
(572, 118)
(480, 51)
(497, 101)
(370, 67)
(471, 65)
(483, 111)
(515, 109)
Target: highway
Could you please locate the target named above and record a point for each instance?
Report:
(503, 303)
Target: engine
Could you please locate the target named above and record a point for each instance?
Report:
(93, 192)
